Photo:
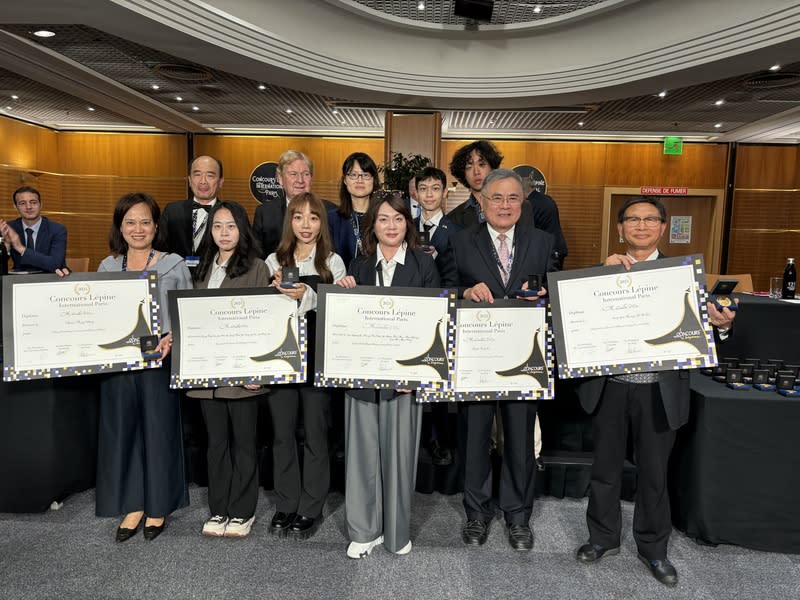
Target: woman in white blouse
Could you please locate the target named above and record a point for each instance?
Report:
(305, 244)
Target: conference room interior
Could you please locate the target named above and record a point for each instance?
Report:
(733, 461)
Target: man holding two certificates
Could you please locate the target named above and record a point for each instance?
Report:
(492, 260)
(656, 405)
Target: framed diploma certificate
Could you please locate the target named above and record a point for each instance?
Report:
(82, 324)
(610, 321)
(379, 337)
(233, 337)
(503, 351)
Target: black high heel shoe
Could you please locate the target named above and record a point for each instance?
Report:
(151, 532)
(124, 534)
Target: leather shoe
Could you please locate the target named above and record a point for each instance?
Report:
(520, 537)
(281, 522)
(589, 553)
(124, 534)
(662, 570)
(304, 527)
(151, 532)
(475, 532)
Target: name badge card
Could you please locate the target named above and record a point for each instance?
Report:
(233, 337)
(610, 321)
(384, 337)
(78, 325)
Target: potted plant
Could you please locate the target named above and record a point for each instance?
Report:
(401, 169)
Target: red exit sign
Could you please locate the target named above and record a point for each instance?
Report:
(664, 191)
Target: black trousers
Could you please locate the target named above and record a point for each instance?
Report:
(519, 464)
(295, 492)
(232, 463)
(641, 405)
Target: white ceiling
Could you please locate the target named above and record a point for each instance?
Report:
(579, 69)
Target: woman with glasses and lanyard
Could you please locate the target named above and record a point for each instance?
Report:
(388, 419)
(359, 177)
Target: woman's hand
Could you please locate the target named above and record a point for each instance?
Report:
(348, 282)
(297, 292)
(252, 386)
(277, 277)
(63, 272)
(165, 345)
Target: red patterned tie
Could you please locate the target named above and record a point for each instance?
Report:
(503, 250)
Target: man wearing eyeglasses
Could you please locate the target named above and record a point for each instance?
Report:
(35, 242)
(654, 404)
(486, 261)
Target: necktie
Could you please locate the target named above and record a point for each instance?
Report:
(205, 207)
(29, 238)
(503, 254)
(427, 226)
(198, 223)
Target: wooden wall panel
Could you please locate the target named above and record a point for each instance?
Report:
(700, 166)
(123, 154)
(28, 147)
(581, 212)
(768, 167)
(417, 133)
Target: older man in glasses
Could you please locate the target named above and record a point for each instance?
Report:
(654, 404)
(35, 242)
(489, 260)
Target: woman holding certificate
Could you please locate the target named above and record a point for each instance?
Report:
(359, 176)
(230, 260)
(140, 445)
(306, 248)
(382, 427)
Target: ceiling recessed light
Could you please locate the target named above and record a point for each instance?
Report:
(537, 9)
(195, 108)
(155, 86)
(261, 86)
(289, 111)
(14, 97)
(775, 68)
(9, 108)
(336, 112)
(580, 123)
(421, 5)
(179, 98)
(342, 122)
(662, 94)
(718, 125)
(43, 33)
(90, 108)
(719, 102)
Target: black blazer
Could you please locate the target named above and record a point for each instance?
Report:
(176, 223)
(268, 224)
(469, 259)
(419, 270)
(49, 251)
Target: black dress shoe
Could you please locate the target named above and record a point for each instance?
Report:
(589, 553)
(475, 532)
(151, 532)
(281, 522)
(124, 534)
(304, 527)
(662, 570)
(520, 537)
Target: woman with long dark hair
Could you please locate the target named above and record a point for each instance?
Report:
(140, 445)
(359, 179)
(230, 260)
(380, 480)
(306, 245)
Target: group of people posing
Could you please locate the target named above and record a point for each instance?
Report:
(486, 248)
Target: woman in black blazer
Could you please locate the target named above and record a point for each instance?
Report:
(382, 428)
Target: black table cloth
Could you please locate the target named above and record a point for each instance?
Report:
(764, 329)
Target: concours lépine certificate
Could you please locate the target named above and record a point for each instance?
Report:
(77, 325)
(610, 321)
(503, 351)
(232, 337)
(384, 337)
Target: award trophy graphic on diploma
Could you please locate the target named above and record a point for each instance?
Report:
(533, 366)
(435, 356)
(688, 330)
(288, 349)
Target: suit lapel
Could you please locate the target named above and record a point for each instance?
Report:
(522, 242)
(484, 244)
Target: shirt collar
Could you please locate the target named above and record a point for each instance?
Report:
(224, 265)
(509, 234)
(310, 257)
(35, 226)
(212, 203)
(399, 257)
(653, 256)
(433, 220)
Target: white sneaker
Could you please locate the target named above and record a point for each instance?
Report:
(362, 550)
(239, 527)
(405, 549)
(215, 526)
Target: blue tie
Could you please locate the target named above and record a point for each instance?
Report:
(29, 238)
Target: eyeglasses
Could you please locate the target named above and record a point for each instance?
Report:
(500, 199)
(636, 221)
(362, 176)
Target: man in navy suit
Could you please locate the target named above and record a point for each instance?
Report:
(655, 405)
(491, 260)
(35, 242)
(184, 221)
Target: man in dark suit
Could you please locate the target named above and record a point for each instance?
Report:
(655, 405)
(486, 261)
(184, 221)
(35, 242)
(471, 164)
(545, 215)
